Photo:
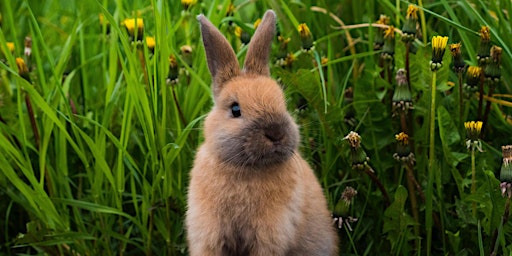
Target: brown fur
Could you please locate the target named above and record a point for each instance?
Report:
(251, 193)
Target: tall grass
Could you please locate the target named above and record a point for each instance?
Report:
(117, 137)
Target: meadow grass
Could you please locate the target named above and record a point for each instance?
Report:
(98, 136)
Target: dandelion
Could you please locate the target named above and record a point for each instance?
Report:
(22, 68)
(473, 77)
(306, 38)
(172, 77)
(457, 59)
(483, 53)
(10, 47)
(150, 42)
(242, 35)
(231, 10)
(359, 161)
(188, 3)
(506, 171)
(409, 28)
(402, 97)
(492, 70)
(134, 27)
(378, 41)
(403, 149)
(473, 130)
(186, 54)
(340, 214)
(438, 49)
(388, 50)
(256, 23)
(104, 22)
(282, 53)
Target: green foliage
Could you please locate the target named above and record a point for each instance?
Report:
(96, 145)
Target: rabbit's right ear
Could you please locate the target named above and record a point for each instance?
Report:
(221, 58)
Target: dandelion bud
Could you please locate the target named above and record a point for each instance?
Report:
(10, 47)
(256, 23)
(186, 53)
(22, 68)
(473, 130)
(409, 28)
(188, 3)
(150, 42)
(306, 37)
(388, 50)
(131, 25)
(506, 171)
(473, 78)
(378, 41)
(105, 23)
(438, 49)
(242, 35)
(403, 149)
(358, 156)
(402, 97)
(457, 59)
(283, 50)
(493, 70)
(483, 53)
(28, 46)
(341, 210)
(172, 77)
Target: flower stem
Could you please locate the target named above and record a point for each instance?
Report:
(431, 162)
(473, 179)
(487, 109)
(504, 220)
(461, 103)
(414, 205)
(369, 171)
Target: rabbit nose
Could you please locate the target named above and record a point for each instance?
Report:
(274, 133)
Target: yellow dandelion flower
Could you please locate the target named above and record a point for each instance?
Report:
(10, 46)
(402, 138)
(188, 3)
(130, 24)
(257, 23)
(150, 42)
(304, 30)
(485, 34)
(455, 49)
(389, 32)
(412, 12)
(238, 31)
(306, 37)
(22, 67)
(324, 60)
(474, 71)
(172, 61)
(438, 49)
(473, 129)
(383, 19)
(231, 9)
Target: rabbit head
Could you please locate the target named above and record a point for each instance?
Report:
(249, 125)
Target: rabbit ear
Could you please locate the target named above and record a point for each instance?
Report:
(221, 58)
(256, 61)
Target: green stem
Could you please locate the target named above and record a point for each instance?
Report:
(431, 161)
(473, 179)
(423, 23)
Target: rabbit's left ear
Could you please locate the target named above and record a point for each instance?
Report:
(256, 61)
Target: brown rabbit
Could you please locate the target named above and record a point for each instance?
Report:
(251, 193)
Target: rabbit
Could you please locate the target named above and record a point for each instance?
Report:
(250, 191)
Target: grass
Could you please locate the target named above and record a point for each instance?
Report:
(118, 125)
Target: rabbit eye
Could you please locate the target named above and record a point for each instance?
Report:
(235, 110)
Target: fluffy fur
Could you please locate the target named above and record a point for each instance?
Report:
(251, 193)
